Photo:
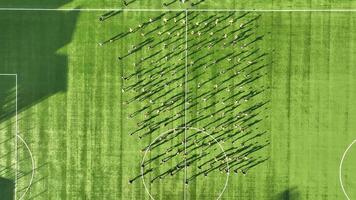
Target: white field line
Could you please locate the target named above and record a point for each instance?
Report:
(197, 129)
(33, 167)
(16, 135)
(273, 10)
(340, 170)
(89, 9)
(16, 145)
(175, 10)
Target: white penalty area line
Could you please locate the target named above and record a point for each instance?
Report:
(16, 136)
(174, 10)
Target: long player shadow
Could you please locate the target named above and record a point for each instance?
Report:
(228, 64)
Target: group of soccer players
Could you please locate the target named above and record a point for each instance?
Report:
(195, 70)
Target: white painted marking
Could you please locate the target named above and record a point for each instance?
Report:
(33, 167)
(16, 135)
(340, 170)
(145, 154)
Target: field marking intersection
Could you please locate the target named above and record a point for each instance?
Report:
(196, 129)
(17, 136)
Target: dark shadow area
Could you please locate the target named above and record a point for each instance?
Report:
(7, 188)
(7, 99)
(289, 194)
(30, 41)
(32, 3)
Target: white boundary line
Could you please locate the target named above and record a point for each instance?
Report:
(197, 129)
(175, 10)
(340, 169)
(16, 145)
(273, 10)
(16, 136)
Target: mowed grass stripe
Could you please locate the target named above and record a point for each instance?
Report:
(281, 38)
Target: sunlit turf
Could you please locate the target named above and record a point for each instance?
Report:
(72, 116)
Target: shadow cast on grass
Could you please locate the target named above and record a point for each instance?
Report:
(289, 194)
(7, 188)
(32, 3)
(30, 41)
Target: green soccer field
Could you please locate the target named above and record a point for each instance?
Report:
(84, 107)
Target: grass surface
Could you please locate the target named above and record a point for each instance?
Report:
(227, 4)
(72, 116)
